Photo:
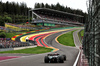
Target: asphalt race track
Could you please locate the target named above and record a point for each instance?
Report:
(38, 59)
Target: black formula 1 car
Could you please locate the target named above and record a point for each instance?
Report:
(54, 58)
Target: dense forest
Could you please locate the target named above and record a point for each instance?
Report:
(13, 12)
(16, 13)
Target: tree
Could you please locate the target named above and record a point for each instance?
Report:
(42, 5)
(58, 6)
(52, 6)
(1, 21)
(2, 35)
(1, 8)
(37, 5)
(47, 6)
(6, 18)
(18, 9)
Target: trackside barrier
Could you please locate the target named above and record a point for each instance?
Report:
(81, 60)
(17, 48)
(78, 56)
(77, 60)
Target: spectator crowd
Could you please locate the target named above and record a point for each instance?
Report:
(8, 43)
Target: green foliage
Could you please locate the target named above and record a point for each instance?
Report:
(8, 19)
(36, 50)
(11, 12)
(67, 39)
(1, 21)
(1, 8)
(2, 35)
(42, 5)
(11, 34)
(47, 6)
(4, 19)
(37, 5)
(82, 32)
(14, 8)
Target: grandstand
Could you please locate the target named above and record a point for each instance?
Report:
(50, 17)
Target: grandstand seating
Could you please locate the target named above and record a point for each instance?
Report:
(50, 16)
(57, 18)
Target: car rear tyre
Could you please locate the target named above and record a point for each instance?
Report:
(61, 59)
(46, 59)
(64, 57)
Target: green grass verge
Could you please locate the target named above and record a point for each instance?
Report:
(82, 32)
(36, 50)
(67, 39)
(11, 34)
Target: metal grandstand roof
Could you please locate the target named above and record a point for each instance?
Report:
(66, 13)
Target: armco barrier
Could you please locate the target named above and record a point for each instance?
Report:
(7, 49)
(81, 60)
(17, 48)
(76, 63)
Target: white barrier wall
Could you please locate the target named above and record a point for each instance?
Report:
(17, 48)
